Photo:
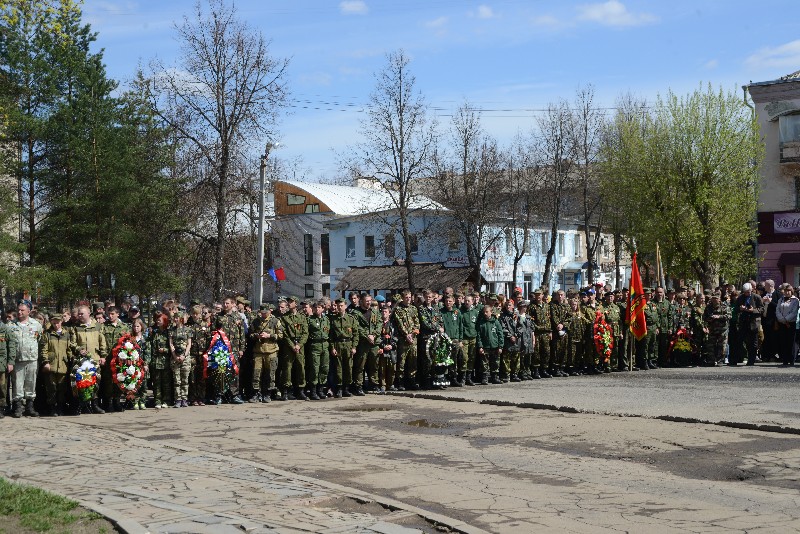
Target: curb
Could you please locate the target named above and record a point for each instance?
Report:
(569, 409)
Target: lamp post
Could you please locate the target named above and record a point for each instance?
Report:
(259, 285)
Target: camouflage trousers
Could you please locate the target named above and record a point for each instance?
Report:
(265, 366)
(343, 363)
(162, 386)
(468, 351)
(292, 368)
(558, 350)
(180, 375)
(57, 387)
(317, 363)
(541, 352)
(407, 360)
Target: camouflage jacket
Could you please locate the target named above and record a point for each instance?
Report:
(272, 326)
(406, 320)
(540, 313)
(430, 320)
(231, 323)
(159, 349)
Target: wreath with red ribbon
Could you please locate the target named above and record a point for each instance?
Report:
(603, 337)
(219, 357)
(127, 365)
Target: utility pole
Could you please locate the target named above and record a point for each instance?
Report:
(258, 288)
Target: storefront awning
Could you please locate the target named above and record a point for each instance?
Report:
(789, 258)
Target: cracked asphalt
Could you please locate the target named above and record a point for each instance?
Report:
(484, 457)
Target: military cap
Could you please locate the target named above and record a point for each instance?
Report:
(523, 303)
(671, 290)
(617, 292)
(380, 298)
(538, 291)
(95, 306)
(492, 296)
(293, 298)
(283, 299)
(707, 292)
(483, 293)
(195, 302)
(397, 297)
(266, 306)
(340, 300)
(240, 299)
(717, 294)
(648, 291)
(246, 302)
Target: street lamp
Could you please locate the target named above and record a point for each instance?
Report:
(259, 285)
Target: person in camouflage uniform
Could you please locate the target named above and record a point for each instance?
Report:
(512, 334)
(526, 328)
(112, 330)
(469, 317)
(647, 347)
(230, 322)
(56, 363)
(86, 340)
(430, 322)
(717, 318)
(159, 364)
(454, 328)
(489, 343)
(318, 352)
(665, 328)
(611, 313)
(387, 350)
(575, 335)
(406, 322)
(344, 336)
(700, 329)
(200, 324)
(622, 304)
(291, 355)
(5, 368)
(589, 310)
(559, 311)
(368, 318)
(180, 344)
(266, 331)
(540, 314)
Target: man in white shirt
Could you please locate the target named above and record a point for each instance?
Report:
(24, 333)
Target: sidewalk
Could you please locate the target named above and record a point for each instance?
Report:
(143, 486)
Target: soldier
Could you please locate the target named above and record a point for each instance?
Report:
(589, 310)
(489, 343)
(112, 330)
(139, 335)
(559, 313)
(697, 325)
(369, 326)
(318, 352)
(266, 332)
(344, 336)
(454, 328)
(159, 364)
(6, 365)
(647, 347)
(611, 313)
(25, 333)
(292, 356)
(575, 335)
(540, 313)
(665, 326)
(406, 322)
(230, 321)
(512, 333)
(56, 364)
(430, 321)
(469, 317)
(387, 351)
(717, 316)
(180, 344)
(622, 304)
(750, 308)
(526, 334)
(200, 325)
(86, 340)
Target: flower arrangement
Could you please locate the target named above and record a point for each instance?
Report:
(681, 349)
(603, 337)
(127, 366)
(84, 379)
(219, 358)
(439, 349)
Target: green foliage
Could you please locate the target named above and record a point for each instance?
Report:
(38, 510)
(686, 176)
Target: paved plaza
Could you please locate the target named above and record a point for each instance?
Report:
(486, 459)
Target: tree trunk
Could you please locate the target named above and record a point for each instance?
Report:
(617, 260)
(219, 245)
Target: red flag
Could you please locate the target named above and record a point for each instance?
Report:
(634, 315)
(279, 274)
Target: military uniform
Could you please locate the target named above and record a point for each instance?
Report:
(699, 336)
(512, 334)
(624, 362)
(369, 324)
(406, 322)
(89, 340)
(159, 367)
(265, 355)
(291, 355)
(526, 328)
(343, 337)
(201, 338)
(318, 354)
(430, 321)
(591, 359)
(489, 343)
(454, 328)
(611, 313)
(180, 338)
(108, 391)
(646, 348)
(469, 318)
(24, 354)
(232, 324)
(387, 353)
(54, 351)
(717, 317)
(559, 313)
(575, 335)
(666, 328)
(540, 313)
(4, 363)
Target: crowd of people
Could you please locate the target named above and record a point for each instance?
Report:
(313, 350)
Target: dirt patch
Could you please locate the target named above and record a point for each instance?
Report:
(87, 522)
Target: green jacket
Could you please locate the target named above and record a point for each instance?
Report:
(540, 313)
(430, 320)
(666, 316)
(369, 324)
(490, 333)
(613, 319)
(159, 349)
(112, 333)
(272, 326)
(469, 319)
(54, 349)
(406, 320)
(344, 330)
(4, 352)
(231, 323)
(453, 325)
(295, 329)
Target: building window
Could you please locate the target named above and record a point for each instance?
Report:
(577, 245)
(309, 291)
(526, 243)
(606, 249)
(325, 247)
(312, 208)
(295, 200)
(527, 280)
(369, 246)
(414, 241)
(545, 242)
(509, 241)
(326, 290)
(455, 241)
(388, 246)
(308, 253)
(350, 248)
(789, 126)
(561, 245)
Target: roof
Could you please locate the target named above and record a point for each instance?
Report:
(434, 276)
(348, 200)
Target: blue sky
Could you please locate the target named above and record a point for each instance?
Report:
(507, 57)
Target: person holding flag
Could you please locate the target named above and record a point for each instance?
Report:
(635, 316)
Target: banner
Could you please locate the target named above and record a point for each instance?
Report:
(634, 315)
(786, 223)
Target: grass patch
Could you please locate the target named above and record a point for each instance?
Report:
(38, 510)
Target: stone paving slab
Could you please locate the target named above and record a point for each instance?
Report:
(148, 487)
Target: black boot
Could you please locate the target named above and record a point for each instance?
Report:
(495, 380)
(300, 394)
(345, 391)
(312, 393)
(535, 375)
(118, 406)
(468, 379)
(55, 411)
(30, 411)
(458, 381)
(255, 398)
(18, 409)
(339, 393)
(544, 374)
(96, 407)
(321, 392)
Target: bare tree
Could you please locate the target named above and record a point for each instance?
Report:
(521, 205)
(226, 92)
(399, 141)
(555, 151)
(585, 133)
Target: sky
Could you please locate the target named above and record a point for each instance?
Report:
(508, 58)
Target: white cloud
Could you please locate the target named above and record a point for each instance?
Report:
(436, 23)
(485, 12)
(711, 64)
(613, 13)
(353, 7)
(547, 21)
(785, 56)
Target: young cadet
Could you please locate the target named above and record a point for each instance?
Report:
(265, 333)
(317, 352)
(344, 336)
(55, 357)
(454, 328)
(489, 343)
